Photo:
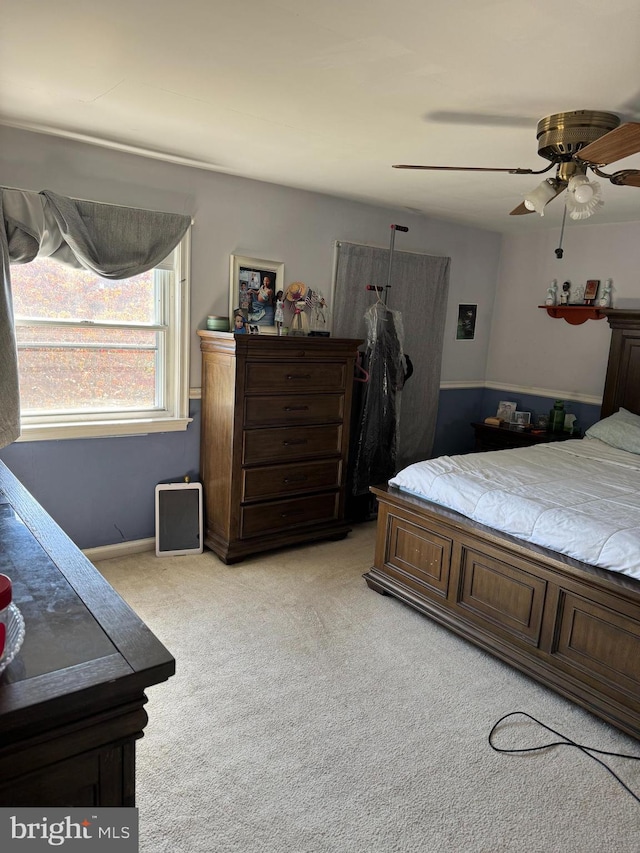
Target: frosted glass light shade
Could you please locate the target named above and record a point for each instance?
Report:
(540, 196)
(584, 197)
(583, 193)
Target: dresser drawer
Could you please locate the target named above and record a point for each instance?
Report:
(289, 443)
(276, 480)
(268, 518)
(293, 409)
(294, 375)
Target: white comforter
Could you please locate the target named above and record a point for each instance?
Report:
(579, 497)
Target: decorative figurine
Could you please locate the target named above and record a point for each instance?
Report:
(552, 293)
(279, 315)
(296, 295)
(318, 321)
(564, 296)
(299, 324)
(605, 299)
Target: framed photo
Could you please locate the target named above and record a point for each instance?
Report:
(591, 291)
(466, 326)
(521, 419)
(239, 322)
(576, 296)
(506, 408)
(254, 285)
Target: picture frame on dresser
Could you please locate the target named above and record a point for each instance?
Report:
(253, 285)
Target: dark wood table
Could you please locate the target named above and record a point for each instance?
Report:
(72, 701)
(489, 437)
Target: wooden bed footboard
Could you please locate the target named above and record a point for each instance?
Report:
(572, 627)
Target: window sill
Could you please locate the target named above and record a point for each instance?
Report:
(102, 429)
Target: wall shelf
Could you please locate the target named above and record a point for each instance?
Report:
(575, 314)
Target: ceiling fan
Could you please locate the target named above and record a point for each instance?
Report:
(574, 142)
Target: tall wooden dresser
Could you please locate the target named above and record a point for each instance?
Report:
(274, 439)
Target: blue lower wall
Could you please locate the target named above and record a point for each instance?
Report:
(102, 491)
(460, 407)
(457, 410)
(586, 413)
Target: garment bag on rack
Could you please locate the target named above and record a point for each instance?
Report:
(377, 430)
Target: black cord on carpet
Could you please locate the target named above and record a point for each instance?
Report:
(566, 741)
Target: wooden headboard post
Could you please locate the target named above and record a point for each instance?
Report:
(622, 385)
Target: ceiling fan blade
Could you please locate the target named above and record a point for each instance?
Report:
(615, 145)
(520, 209)
(627, 178)
(467, 169)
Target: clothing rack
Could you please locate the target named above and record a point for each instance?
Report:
(387, 287)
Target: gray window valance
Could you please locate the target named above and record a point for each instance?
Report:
(113, 242)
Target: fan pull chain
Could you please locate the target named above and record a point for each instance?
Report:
(560, 250)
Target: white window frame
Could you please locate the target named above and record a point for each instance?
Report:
(174, 416)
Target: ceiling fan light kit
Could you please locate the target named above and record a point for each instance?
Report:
(584, 197)
(538, 198)
(574, 142)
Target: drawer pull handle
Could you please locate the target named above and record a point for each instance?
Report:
(298, 376)
(291, 441)
(290, 514)
(302, 479)
(296, 408)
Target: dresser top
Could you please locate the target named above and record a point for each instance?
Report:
(83, 643)
(287, 346)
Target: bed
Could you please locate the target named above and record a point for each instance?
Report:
(572, 624)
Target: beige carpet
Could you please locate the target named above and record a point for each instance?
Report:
(310, 714)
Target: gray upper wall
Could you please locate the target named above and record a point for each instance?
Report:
(516, 345)
(530, 349)
(237, 215)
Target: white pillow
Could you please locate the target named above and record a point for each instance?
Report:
(621, 430)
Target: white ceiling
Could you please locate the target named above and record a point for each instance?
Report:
(326, 95)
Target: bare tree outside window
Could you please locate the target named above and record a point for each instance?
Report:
(81, 345)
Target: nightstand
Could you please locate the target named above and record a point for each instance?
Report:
(490, 437)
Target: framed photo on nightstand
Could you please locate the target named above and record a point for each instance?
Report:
(520, 419)
(506, 409)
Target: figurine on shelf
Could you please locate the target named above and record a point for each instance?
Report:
(605, 299)
(566, 290)
(552, 293)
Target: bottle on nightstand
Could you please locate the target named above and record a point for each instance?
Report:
(556, 417)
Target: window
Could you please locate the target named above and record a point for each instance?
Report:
(98, 356)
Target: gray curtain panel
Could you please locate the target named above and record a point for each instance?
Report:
(419, 290)
(9, 396)
(113, 242)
